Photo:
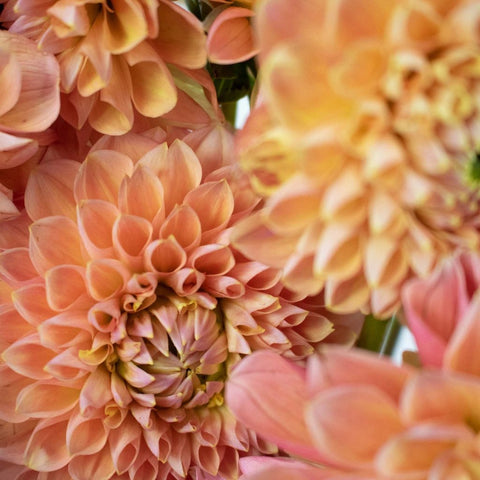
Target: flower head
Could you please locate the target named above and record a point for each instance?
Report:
(365, 142)
(358, 415)
(112, 55)
(129, 309)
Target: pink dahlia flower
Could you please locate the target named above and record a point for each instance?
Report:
(29, 82)
(230, 33)
(112, 55)
(128, 309)
(365, 144)
(442, 313)
(354, 416)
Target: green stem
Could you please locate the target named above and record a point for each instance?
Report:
(229, 109)
(379, 335)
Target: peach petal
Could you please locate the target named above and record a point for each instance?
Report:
(185, 281)
(184, 225)
(106, 278)
(181, 39)
(14, 232)
(120, 391)
(179, 171)
(65, 287)
(294, 207)
(15, 150)
(11, 384)
(142, 195)
(39, 104)
(384, 264)
(357, 410)
(31, 303)
(95, 223)
(154, 92)
(10, 79)
(85, 436)
(100, 350)
(255, 240)
(460, 353)
(36, 399)
(49, 189)
(13, 440)
(98, 465)
(54, 241)
(131, 235)
(96, 390)
(67, 365)
(125, 444)
(230, 37)
(223, 286)
(101, 175)
(422, 445)
(346, 296)
(254, 386)
(212, 259)
(16, 267)
(12, 326)
(134, 375)
(69, 19)
(65, 330)
(255, 275)
(28, 357)
(165, 256)
(112, 114)
(213, 203)
(440, 397)
(123, 27)
(46, 451)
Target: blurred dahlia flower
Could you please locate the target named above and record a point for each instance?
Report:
(230, 33)
(29, 82)
(366, 142)
(113, 55)
(360, 416)
(128, 309)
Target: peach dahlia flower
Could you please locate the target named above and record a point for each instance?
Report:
(128, 309)
(113, 55)
(30, 103)
(365, 142)
(358, 415)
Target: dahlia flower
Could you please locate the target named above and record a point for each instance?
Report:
(358, 415)
(112, 55)
(30, 103)
(128, 309)
(230, 34)
(442, 313)
(365, 143)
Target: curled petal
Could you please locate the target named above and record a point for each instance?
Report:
(65, 287)
(184, 225)
(165, 256)
(125, 444)
(85, 436)
(31, 303)
(16, 266)
(106, 278)
(97, 465)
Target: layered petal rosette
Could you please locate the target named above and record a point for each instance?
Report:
(352, 415)
(129, 308)
(29, 81)
(365, 141)
(113, 55)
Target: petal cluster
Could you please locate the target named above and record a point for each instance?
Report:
(367, 154)
(30, 103)
(129, 308)
(113, 55)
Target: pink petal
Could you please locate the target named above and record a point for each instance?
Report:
(125, 444)
(16, 267)
(254, 386)
(85, 436)
(96, 390)
(87, 467)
